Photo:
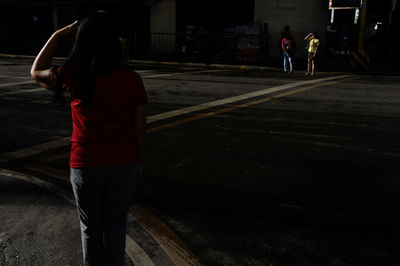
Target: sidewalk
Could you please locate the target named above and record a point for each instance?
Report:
(39, 226)
(332, 65)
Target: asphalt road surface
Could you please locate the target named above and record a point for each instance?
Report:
(246, 167)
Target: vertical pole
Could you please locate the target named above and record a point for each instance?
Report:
(363, 22)
(391, 14)
(54, 15)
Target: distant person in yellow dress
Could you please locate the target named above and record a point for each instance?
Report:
(312, 51)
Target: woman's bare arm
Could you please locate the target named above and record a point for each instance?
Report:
(308, 36)
(40, 71)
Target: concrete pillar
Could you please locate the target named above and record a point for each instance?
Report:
(163, 26)
(54, 15)
(303, 17)
(362, 27)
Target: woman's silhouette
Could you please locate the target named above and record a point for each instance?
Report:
(108, 113)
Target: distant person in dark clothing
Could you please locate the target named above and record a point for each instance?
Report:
(108, 114)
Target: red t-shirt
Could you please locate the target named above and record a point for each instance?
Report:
(103, 132)
(287, 44)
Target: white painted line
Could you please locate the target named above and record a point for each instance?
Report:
(13, 77)
(183, 73)
(190, 109)
(42, 102)
(143, 71)
(29, 151)
(136, 253)
(17, 83)
(21, 91)
(41, 183)
(16, 56)
(139, 71)
(132, 249)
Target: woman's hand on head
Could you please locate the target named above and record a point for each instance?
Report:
(68, 30)
(40, 70)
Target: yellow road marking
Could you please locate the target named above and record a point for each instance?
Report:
(243, 105)
(57, 157)
(176, 249)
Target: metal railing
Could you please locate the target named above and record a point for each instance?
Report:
(201, 47)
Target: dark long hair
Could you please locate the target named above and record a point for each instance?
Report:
(96, 52)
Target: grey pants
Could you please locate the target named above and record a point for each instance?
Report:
(103, 196)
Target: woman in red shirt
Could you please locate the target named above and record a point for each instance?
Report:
(288, 45)
(108, 113)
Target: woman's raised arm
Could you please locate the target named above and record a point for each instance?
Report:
(40, 71)
(308, 36)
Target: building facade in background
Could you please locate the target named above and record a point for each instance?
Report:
(205, 30)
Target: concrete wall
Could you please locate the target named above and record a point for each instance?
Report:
(163, 20)
(303, 17)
